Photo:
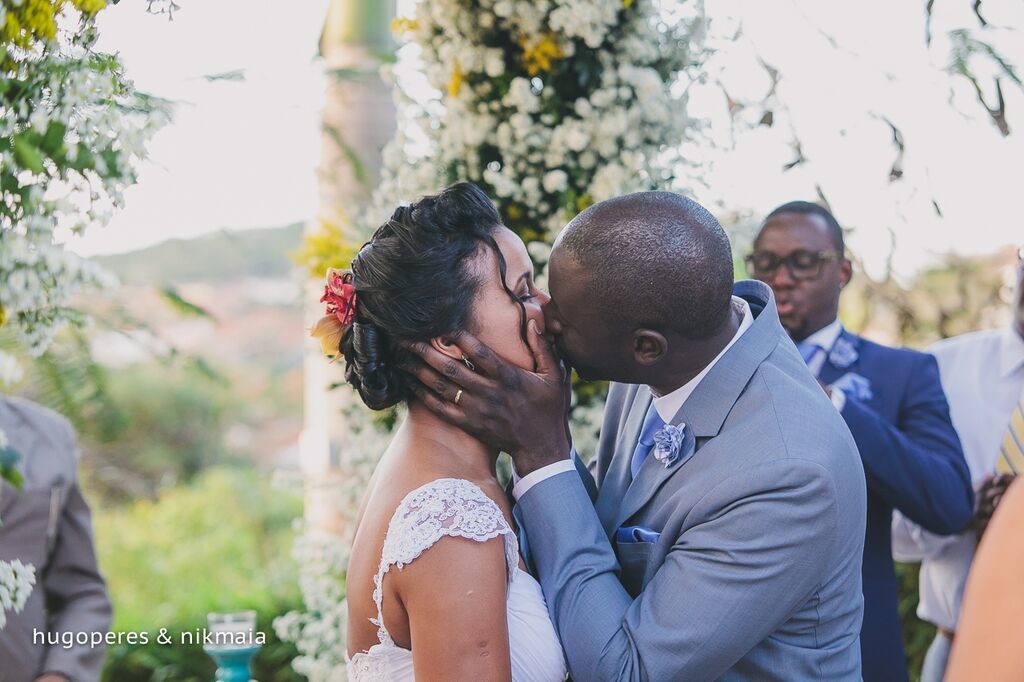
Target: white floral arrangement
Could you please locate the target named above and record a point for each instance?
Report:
(72, 129)
(16, 582)
(548, 105)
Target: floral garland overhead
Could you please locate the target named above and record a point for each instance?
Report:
(72, 129)
(549, 105)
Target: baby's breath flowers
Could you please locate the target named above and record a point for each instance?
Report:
(16, 581)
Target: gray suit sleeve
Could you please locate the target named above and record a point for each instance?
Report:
(76, 595)
(752, 554)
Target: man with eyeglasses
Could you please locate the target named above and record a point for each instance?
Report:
(891, 399)
(983, 374)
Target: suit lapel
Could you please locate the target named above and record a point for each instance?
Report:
(652, 475)
(617, 480)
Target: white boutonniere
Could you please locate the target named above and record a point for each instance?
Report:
(667, 443)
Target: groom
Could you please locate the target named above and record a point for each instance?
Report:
(726, 536)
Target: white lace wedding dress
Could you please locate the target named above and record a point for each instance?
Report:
(457, 508)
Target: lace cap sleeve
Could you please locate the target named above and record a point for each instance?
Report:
(446, 507)
(449, 507)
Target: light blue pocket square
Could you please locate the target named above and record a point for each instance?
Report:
(628, 534)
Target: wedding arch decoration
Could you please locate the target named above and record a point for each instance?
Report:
(549, 106)
(72, 129)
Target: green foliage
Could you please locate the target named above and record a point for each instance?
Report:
(965, 46)
(183, 306)
(160, 424)
(218, 544)
(9, 459)
(64, 378)
(917, 634)
(959, 295)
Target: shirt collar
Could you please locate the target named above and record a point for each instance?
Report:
(1011, 352)
(670, 403)
(826, 336)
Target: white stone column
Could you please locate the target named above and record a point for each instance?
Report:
(358, 119)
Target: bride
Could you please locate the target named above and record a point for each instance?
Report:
(435, 587)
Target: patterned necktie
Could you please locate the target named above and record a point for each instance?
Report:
(808, 351)
(652, 424)
(1011, 459)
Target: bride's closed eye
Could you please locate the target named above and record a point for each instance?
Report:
(526, 292)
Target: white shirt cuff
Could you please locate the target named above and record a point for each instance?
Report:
(838, 399)
(544, 473)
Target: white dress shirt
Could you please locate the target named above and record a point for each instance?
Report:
(825, 338)
(983, 377)
(667, 406)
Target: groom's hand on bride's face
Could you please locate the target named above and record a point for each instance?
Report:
(521, 412)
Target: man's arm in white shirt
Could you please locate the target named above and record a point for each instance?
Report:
(911, 543)
(521, 485)
(526, 482)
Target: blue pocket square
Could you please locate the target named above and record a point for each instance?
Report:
(636, 534)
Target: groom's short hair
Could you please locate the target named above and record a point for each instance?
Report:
(658, 257)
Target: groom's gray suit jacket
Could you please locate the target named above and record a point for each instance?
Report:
(756, 574)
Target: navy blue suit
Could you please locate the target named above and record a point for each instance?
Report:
(912, 462)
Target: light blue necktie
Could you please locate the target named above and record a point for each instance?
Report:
(652, 424)
(808, 351)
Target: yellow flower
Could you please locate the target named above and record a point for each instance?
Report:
(37, 18)
(455, 84)
(3, 316)
(514, 213)
(31, 22)
(583, 202)
(538, 56)
(402, 25)
(326, 247)
(627, 3)
(329, 332)
(89, 7)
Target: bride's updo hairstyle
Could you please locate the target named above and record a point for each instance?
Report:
(416, 280)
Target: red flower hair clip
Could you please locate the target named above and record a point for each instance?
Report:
(340, 297)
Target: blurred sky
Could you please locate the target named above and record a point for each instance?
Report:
(238, 154)
(243, 154)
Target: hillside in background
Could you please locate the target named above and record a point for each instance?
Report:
(220, 256)
(200, 350)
